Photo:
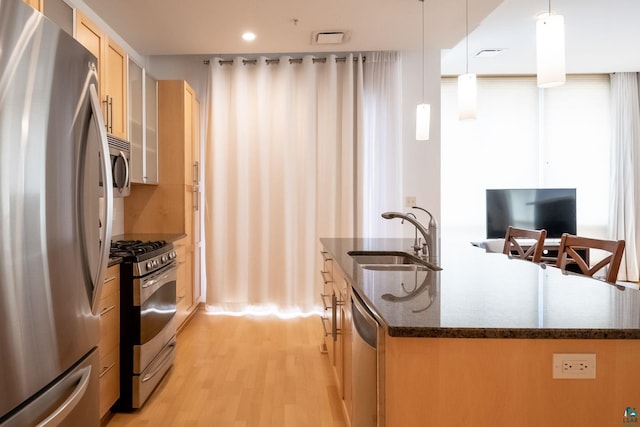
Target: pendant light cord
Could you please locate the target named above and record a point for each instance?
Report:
(422, 51)
(466, 28)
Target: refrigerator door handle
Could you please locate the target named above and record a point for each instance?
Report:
(107, 187)
(70, 403)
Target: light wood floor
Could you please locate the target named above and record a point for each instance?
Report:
(244, 371)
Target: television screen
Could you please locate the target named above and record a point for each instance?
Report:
(553, 209)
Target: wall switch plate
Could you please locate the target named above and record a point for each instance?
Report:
(410, 201)
(574, 366)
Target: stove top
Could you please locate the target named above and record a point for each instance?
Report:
(138, 249)
(144, 257)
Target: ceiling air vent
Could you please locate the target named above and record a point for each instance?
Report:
(329, 37)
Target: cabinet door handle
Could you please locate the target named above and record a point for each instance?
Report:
(110, 114)
(324, 277)
(196, 197)
(324, 326)
(324, 298)
(196, 173)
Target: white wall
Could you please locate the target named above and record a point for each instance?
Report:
(182, 67)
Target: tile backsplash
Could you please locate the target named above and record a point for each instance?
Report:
(117, 225)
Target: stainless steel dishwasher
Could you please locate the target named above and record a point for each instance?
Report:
(364, 368)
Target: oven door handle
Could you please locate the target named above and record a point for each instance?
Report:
(160, 278)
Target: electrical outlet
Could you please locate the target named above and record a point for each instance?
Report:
(574, 366)
(410, 201)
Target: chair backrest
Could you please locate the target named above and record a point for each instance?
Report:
(569, 252)
(534, 246)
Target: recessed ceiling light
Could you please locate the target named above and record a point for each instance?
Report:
(249, 36)
(488, 53)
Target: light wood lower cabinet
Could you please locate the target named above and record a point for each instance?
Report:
(109, 346)
(337, 326)
(185, 303)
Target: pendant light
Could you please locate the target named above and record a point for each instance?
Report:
(467, 81)
(550, 49)
(423, 111)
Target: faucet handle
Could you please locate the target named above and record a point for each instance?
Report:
(424, 249)
(418, 245)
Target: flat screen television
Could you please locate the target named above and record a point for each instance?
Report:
(553, 209)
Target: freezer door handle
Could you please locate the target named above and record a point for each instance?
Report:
(70, 403)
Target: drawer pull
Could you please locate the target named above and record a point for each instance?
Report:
(324, 276)
(326, 256)
(327, 306)
(107, 309)
(109, 279)
(324, 326)
(106, 369)
(180, 299)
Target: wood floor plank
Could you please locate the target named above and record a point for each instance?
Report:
(244, 372)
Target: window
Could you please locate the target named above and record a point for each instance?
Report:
(526, 137)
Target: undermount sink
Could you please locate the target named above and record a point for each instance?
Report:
(395, 267)
(391, 261)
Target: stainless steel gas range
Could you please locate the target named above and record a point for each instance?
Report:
(147, 317)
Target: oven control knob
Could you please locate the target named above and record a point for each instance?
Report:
(149, 265)
(164, 259)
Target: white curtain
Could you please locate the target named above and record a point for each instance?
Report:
(280, 174)
(625, 169)
(381, 149)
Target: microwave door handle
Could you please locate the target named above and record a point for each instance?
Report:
(97, 125)
(126, 169)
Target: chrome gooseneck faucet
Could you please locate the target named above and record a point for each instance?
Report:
(431, 248)
(433, 242)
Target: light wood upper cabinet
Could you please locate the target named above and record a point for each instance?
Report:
(90, 37)
(36, 4)
(112, 74)
(115, 89)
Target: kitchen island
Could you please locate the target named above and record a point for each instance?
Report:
(473, 344)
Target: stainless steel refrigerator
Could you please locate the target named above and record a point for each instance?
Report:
(55, 227)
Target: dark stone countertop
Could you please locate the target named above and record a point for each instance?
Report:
(169, 237)
(114, 260)
(487, 295)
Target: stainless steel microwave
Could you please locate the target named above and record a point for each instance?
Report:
(120, 152)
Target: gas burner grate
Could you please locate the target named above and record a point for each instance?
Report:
(134, 248)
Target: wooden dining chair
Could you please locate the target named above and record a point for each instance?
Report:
(532, 250)
(575, 249)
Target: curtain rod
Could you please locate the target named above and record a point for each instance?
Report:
(277, 61)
